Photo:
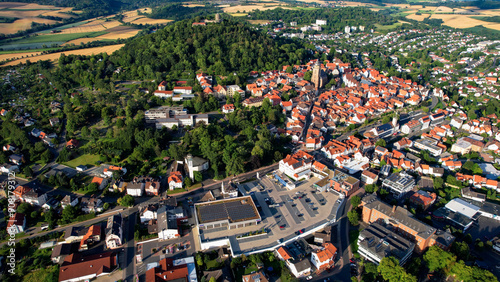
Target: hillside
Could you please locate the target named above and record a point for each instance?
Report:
(223, 48)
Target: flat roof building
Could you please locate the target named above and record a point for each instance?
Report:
(377, 242)
(344, 183)
(399, 184)
(232, 213)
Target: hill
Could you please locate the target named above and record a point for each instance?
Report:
(222, 48)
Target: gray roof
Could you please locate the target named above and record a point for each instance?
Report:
(301, 265)
(234, 210)
(382, 242)
(164, 220)
(61, 250)
(114, 225)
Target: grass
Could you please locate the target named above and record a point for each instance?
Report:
(212, 264)
(176, 191)
(387, 27)
(86, 159)
(28, 51)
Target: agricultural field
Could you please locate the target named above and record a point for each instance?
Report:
(249, 8)
(93, 26)
(55, 56)
(135, 18)
(4, 57)
(26, 14)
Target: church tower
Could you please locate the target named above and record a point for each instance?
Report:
(318, 77)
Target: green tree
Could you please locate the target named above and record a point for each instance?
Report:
(438, 183)
(289, 69)
(188, 182)
(198, 177)
(355, 201)
(308, 75)
(438, 259)
(370, 188)
(45, 156)
(353, 217)
(391, 271)
(461, 250)
(27, 171)
(126, 201)
(68, 214)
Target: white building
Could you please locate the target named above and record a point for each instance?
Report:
(114, 232)
(135, 189)
(297, 166)
(324, 259)
(320, 22)
(195, 164)
(167, 224)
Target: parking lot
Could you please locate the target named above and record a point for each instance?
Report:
(285, 213)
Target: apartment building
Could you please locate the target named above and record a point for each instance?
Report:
(404, 224)
(399, 184)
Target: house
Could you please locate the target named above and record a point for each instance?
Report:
(81, 168)
(9, 147)
(92, 236)
(51, 203)
(54, 121)
(35, 197)
(168, 270)
(16, 224)
(72, 144)
(228, 108)
(8, 168)
(17, 159)
(152, 188)
(403, 143)
(175, 180)
(423, 199)
(369, 177)
(101, 182)
(148, 213)
(195, 164)
(399, 184)
(258, 276)
(69, 200)
(344, 183)
(167, 225)
(297, 166)
(114, 232)
(135, 189)
(60, 252)
(109, 171)
(79, 268)
(324, 259)
(90, 204)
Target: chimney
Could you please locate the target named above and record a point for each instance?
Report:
(394, 209)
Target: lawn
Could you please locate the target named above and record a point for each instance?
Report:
(387, 27)
(86, 159)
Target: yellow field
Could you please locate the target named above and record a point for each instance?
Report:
(4, 57)
(193, 5)
(417, 17)
(238, 14)
(119, 32)
(145, 20)
(28, 16)
(55, 56)
(247, 8)
(464, 21)
(92, 26)
(80, 41)
(258, 21)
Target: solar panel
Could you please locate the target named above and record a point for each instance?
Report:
(232, 210)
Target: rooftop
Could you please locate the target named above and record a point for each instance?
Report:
(233, 210)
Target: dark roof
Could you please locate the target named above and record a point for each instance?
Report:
(114, 225)
(234, 210)
(61, 250)
(302, 264)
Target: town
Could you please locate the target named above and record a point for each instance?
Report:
(352, 165)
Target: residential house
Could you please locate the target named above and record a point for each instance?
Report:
(167, 270)
(152, 188)
(324, 259)
(258, 276)
(9, 147)
(228, 108)
(8, 168)
(114, 232)
(101, 182)
(17, 159)
(60, 252)
(135, 189)
(175, 180)
(423, 199)
(69, 200)
(90, 204)
(72, 144)
(35, 197)
(54, 121)
(167, 225)
(148, 213)
(79, 268)
(369, 177)
(16, 224)
(297, 166)
(51, 203)
(92, 236)
(74, 234)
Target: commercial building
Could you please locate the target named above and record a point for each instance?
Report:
(429, 145)
(377, 242)
(79, 268)
(405, 224)
(399, 184)
(344, 183)
(231, 213)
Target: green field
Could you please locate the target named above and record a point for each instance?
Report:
(28, 51)
(56, 37)
(387, 27)
(87, 159)
(66, 26)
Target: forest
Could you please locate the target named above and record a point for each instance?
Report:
(221, 48)
(337, 18)
(179, 12)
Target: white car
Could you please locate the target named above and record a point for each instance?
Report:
(309, 277)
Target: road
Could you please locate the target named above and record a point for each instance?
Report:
(130, 217)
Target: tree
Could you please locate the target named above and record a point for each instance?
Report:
(198, 177)
(381, 142)
(355, 201)
(438, 183)
(27, 171)
(45, 156)
(353, 217)
(370, 188)
(461, 250)
(391, 271)
(438, 259)
(126, 201)
(289, 69)
(68, 214)
(188, 182)
(308, 75)
(105, 206)
(468, 165)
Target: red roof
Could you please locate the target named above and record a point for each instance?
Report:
(76, 266)
(166, 271)
(72, 142)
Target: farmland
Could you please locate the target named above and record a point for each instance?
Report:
(55, 56)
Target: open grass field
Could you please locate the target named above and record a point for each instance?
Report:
(27, 14)
(387, 27)
(86, 159)
(55, 56)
